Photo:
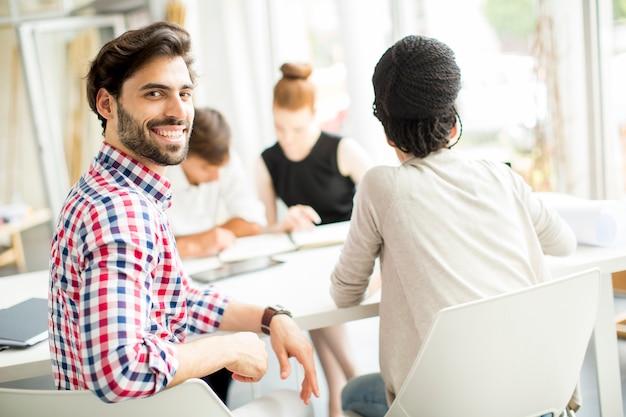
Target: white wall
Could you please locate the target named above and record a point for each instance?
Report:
(20, 173)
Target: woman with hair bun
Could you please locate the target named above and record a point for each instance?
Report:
(315, 173)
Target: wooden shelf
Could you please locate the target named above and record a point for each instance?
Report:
(619, 288)
(14, 254)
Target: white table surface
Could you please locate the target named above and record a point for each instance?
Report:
(604, 338)
(35, 360)
(302, 285)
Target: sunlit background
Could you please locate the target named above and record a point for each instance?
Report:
(543, 80)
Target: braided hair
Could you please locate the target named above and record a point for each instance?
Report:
(416, 82)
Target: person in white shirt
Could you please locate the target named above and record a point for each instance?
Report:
(446, 228)
(214, 201)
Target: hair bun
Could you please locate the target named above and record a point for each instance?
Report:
(416, 78)
(296, 71)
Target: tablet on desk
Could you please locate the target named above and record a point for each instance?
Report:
(25, 323)
(235, 268)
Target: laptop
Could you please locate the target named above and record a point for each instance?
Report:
(25, 323)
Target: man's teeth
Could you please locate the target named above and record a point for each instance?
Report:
(170, 133)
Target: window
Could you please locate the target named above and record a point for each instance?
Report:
(526, 97)
(514, 103)
(618, 81)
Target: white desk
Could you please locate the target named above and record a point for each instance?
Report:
(604, 337)
(35, 360)
(302, 284)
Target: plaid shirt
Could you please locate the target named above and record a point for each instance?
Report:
(119, 300)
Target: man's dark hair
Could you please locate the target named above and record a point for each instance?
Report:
(210, 136)
(120, 58)
(416, 82)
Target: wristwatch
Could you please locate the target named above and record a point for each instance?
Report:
(269, 314)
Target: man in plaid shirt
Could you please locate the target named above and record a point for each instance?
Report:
(121, 306)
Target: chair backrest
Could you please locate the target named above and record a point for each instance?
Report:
(191, 398)
(518, 354)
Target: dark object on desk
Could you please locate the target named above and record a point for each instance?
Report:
(24, 324)
(234, 268)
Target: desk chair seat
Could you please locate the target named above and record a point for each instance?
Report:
(517, 354)
(191, 398)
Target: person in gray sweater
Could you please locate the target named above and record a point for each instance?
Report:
(447, 229)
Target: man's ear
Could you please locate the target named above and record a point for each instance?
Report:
(105, 104)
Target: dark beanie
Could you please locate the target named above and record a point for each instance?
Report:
(417, 78)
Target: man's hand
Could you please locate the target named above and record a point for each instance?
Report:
(203, 244)
(250, 355)
(219, 238)
(243, 353)
(289, 341)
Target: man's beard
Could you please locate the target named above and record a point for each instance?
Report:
(135, 138)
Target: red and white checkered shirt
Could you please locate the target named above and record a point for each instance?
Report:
(119, 300)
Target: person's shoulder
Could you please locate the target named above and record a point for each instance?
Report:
(500, 168)
(272, 152)
(379, 185)
(349, 143)
(124, 200)
(234, 164)
(379, 175)
(480, 163)
(92, 209)
(498, 171)
(271, 148)
(330, 136)
(349, 149)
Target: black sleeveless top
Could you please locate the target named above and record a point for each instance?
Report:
(315, 181)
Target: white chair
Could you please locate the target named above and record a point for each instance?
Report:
(191, 398)
(518, 354)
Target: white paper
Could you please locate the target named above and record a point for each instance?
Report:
(265, 244)
(594, 222)
(324, 235)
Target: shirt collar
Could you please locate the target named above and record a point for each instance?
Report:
(154, 185)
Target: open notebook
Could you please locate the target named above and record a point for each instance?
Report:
(274, 243)
(25, 323)
(253, 253)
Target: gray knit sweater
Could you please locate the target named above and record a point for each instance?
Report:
(447, 230)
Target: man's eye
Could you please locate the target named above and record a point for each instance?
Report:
(154, 94)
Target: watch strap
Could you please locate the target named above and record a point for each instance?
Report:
(269, 314)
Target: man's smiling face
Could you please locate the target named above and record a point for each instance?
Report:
(151, 119)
